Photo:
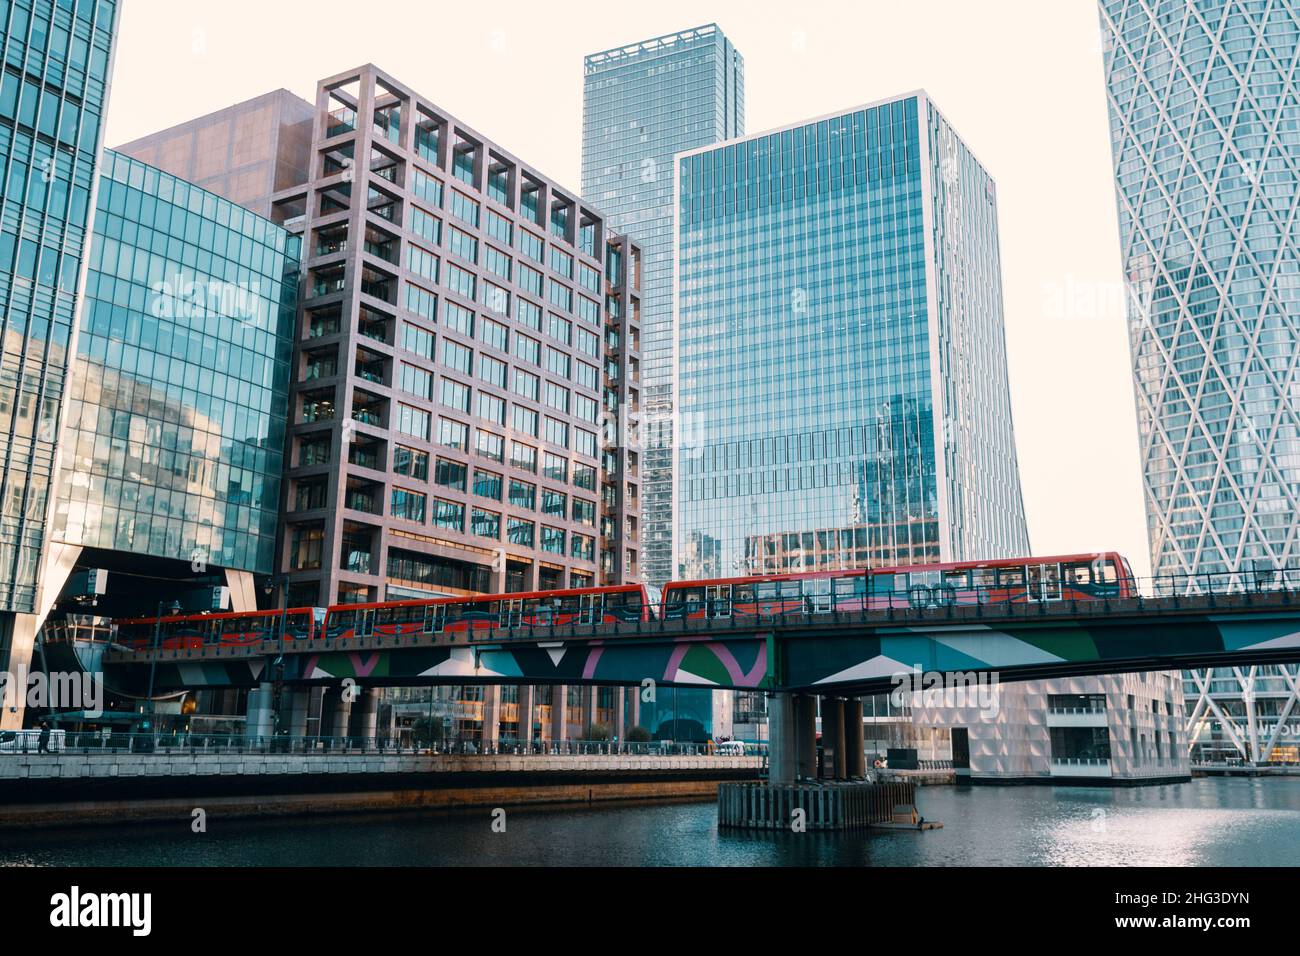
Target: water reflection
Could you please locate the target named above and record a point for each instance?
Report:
(1212, 822)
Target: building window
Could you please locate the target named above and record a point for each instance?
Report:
(449, 515)
(411, 463)
(450, 474)
(485, 524)
(453, 434)
(408, 505)
(552, 539)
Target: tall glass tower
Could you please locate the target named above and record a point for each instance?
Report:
(1204, 100)
(57, 61)
(54, 85)
(842, 382)
(642, 103)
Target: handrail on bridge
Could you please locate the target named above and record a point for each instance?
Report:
(918, 602)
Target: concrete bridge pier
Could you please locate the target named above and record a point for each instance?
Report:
(364, 718)
(854, 739)
(261, 703)
(297, 708)
(335, 712)
(835, 766)
(791, 737)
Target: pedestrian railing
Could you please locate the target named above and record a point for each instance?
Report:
(69, 742)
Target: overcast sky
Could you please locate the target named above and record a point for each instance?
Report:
(1021, 80)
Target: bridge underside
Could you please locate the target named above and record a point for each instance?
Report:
(844, 657)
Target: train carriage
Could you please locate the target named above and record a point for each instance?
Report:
(602, 605)
(228, 629)
(1078, 577)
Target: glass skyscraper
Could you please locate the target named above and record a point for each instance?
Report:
(57, 61)
(642, 103)
(1204, 101)
(842, 386)
(178, 403)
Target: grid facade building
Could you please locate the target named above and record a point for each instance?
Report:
(174, 434)
(1204, 100)
(841, 385)
(643, 103)
(466, 363)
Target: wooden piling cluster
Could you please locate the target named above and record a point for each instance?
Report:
(826, 806)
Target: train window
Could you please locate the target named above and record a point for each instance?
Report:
(846, 587)
(956, 579)
(929, 579)
(1011, 577)
(1077, 573)
(766, 590)
(742, 593)
(432, 618)
(1108, 572)
(984, 578)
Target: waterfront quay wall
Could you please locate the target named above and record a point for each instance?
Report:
(75, 789)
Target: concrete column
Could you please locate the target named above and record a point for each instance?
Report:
(620, 703)
(491, 717)
(260, 702)
(782, 759)
(589, 700)
(559, 712)
(335, 713)
(805, 736)
(832, 709)
(854, 740)
(633, 707)
(297, 704)
(365, 715)
(525, 711)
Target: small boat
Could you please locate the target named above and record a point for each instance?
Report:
(905, 817)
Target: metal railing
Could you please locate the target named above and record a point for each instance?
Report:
(1178, 592)
(135, 742)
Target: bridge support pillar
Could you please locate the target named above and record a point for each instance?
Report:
(524, 710)
(335, 712)
(491, 733)
(633, 707)
(296, 711)
(854, 739)
(365, 715)
(589, 700)
(835, 767)
(805, 736)
(559, 713)
(619, 730)
(261, 702)
(781, 749)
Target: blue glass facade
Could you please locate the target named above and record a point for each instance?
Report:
(642, 104)
(175, 427)
(841, 380)
(57, 60)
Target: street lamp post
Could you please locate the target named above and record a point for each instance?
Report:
(153, 659)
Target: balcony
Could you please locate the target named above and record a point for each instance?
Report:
(1076, 717)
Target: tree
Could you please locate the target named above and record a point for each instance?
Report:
(598, 732)
(427, 730)
(638, 735)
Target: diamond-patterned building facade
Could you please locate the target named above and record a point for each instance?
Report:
(1204, 100)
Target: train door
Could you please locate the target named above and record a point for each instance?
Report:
(365, 623)
(1044, 582)
(435, 617)
(717, 600)
(590, 608)
(817, 594)
(511, 613)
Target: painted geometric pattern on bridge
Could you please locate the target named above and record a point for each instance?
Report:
(822, 660)
(731, 663)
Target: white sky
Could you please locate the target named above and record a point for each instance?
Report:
(1020, 80)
